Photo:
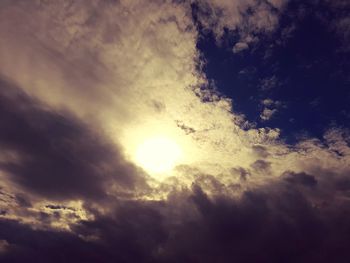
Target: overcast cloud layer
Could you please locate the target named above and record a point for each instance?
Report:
(82, 83)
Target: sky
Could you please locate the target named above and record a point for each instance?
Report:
(174, 131)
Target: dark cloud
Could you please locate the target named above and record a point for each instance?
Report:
(243, 173)
(300, 178)
(260, 151)
(22, 201)
(277, 223)
(26, 244)
(261, 166)
(273, 224)
(57, 155)
(343, 184)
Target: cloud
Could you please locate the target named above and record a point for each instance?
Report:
(300, 178)
(267, 114)
(270, 108)
(337, 21)
(261, 151)
(269, 83)
(240, 46)
(267, 102)
(82, 84)
(270, 224)
(248, 19)
(261, 166)
(57, 155)
(250, 16)
(286, 34)
(342, 28)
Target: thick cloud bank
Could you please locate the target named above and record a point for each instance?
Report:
(81, 83)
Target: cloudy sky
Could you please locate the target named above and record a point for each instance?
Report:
(174, 131)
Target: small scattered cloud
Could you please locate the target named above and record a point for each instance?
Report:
(270, 107)
(247, 71)
(315, 102)
(240, 46)
(286, 34)
(267, 102)
(269, 83)
(267, 114)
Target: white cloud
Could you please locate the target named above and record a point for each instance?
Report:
(270, 107)
(83, 58)
(267, 102)
(267, 114)
(240, 46)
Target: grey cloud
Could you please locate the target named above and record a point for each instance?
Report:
(342, 22)
(343, 184)
(240, 46)
(248, 17)
(261, 166)
(269, 83)
(274, 223)
(58, 156)
(243, 173)
(300, 178)
(267, 114)
(22, 200)
(260, 151)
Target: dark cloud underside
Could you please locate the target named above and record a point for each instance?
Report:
(56, 155)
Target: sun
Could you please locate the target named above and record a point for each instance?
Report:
(158, 154)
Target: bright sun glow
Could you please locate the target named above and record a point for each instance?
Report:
(158, 154)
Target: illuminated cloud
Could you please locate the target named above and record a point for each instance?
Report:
(267, 114)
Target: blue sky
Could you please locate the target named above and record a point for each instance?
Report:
(301, 70)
